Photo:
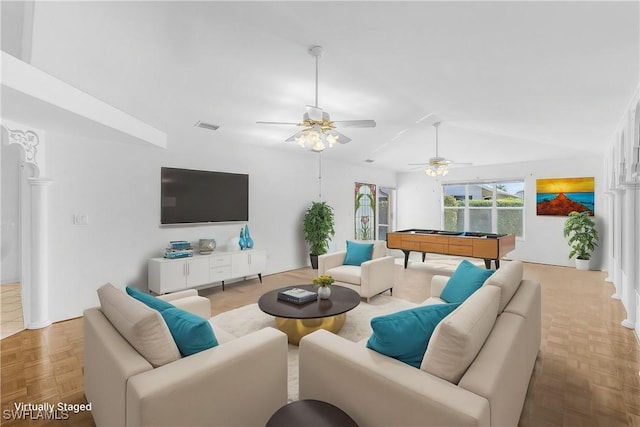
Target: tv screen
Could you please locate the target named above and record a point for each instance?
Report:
(195, 196)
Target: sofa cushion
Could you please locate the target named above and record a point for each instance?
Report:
(346, 273)
(459, 337)
(141, 326)
(404, 335)
(191, 333)
(467, 279)
(507, 278)
(379, 249)
(357, 253)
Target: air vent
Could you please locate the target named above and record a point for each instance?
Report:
(203, 125)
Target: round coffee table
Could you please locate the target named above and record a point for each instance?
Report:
(298, 320)
(310, 413)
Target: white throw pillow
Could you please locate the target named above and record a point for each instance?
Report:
(507, 278)
(143, 327)
(458, 338)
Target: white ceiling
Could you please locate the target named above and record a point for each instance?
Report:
(511, 81)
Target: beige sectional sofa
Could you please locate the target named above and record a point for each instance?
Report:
(240, 382)
(475, 371)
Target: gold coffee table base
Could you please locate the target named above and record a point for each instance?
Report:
(298, 328)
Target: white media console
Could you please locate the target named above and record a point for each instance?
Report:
(170, 275)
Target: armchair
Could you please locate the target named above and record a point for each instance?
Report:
(369, 279)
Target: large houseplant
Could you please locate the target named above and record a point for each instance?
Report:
(583, 237)
(318, 229)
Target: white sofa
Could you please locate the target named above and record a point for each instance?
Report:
(369, 279)
(240, 382)
(475, 371)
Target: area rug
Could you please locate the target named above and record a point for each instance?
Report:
(249, 318)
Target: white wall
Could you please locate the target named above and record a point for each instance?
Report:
(419, 205)
(118, 187)
(10, 249)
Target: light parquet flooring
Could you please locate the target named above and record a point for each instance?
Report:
(11, 320)
(587, 373)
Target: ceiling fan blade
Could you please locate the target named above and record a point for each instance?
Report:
(417, 164)
(314, 113)
(342, 139)
(277, 123)
(356, 123)
(293, 137)
(461, 163)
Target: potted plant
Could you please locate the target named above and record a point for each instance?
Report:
(323, 282)
(318, 229)
(583, 237)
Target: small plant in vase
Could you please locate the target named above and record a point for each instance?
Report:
(323, 282)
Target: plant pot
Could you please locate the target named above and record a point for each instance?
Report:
(314, 261)
(582, 264)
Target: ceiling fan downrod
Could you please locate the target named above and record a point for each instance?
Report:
(316, 52)
(436, 125)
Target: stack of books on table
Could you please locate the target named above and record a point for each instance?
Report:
(178, 249)
(297, 296)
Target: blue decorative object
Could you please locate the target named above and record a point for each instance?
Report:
(405, 335)
(247, 238)
(242, 242)
(357, 253)
(465, 281)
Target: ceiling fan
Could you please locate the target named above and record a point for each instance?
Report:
(318, 130)
(437, 166)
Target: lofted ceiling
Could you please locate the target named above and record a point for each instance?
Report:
(511, 81)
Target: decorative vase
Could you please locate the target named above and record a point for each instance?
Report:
(207, 246)
(247, 238)
(324, 292)
(242, 241)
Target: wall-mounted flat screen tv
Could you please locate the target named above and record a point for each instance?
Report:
(196, 196)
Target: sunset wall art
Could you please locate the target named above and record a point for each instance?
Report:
(560, 196)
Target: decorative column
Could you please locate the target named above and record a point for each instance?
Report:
(39, 288)
(617, 243)
(630, 253)
(610, 238)
(34, 226)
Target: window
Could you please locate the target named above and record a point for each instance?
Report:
(386, 208)
(489, 207)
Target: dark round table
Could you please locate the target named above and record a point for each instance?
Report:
(298, 320)
(310, 413)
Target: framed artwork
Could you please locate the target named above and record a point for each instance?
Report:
(560, 196)
(365, 211)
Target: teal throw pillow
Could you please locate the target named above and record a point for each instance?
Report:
(467, 279)
(357, 253)
(149, 300)
(191, 332)
(405, 335)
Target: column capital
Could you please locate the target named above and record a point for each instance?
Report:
(630, 186)
(31, 141)
(39, 182)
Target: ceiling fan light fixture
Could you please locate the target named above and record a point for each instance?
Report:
(317, 139)
(436, 170)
